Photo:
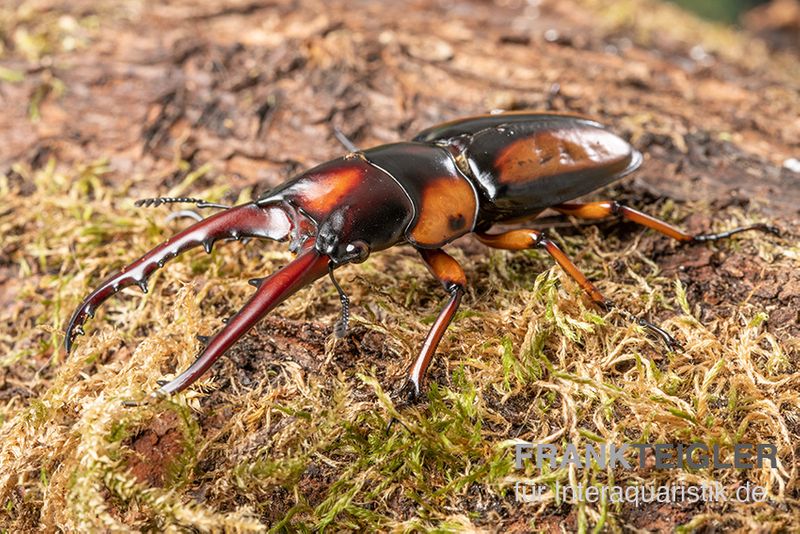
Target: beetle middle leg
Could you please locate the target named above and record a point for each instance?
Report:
(607, 208)
(452, 276)
(528, 239)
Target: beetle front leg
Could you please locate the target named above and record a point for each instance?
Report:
(528, 239)
(452, 276)
(607, 208)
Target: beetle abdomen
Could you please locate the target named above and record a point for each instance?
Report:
(526, 162)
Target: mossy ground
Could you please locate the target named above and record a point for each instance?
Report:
(288, 431)
(528, 358)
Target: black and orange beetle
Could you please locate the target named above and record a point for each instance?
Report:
(459, 177)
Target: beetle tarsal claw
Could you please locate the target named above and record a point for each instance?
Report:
(668, 340)
(409, 392)
(409, 395)
(772, 230)
(761, 227)
(391, 423)
(145, 401)
(671, 343)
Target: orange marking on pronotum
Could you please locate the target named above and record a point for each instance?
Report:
(447, 211)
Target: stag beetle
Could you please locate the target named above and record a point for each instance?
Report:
(452, 179)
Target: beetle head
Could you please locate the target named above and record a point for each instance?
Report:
(338, 240)
(355, 207)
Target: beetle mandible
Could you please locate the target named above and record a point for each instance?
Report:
(452, 179)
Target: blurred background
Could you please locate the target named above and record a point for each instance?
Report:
(775, 21)
(722, 10)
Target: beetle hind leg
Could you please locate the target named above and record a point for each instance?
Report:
(608, 208)
(528, 239)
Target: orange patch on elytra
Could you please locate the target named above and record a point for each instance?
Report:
(553, 152)
(446, 212)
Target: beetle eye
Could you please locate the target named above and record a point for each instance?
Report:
(357, 251)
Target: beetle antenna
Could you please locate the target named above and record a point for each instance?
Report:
(340, 329)
(199, 202)
(344, 140)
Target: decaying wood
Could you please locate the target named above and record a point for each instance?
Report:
(255, 89)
